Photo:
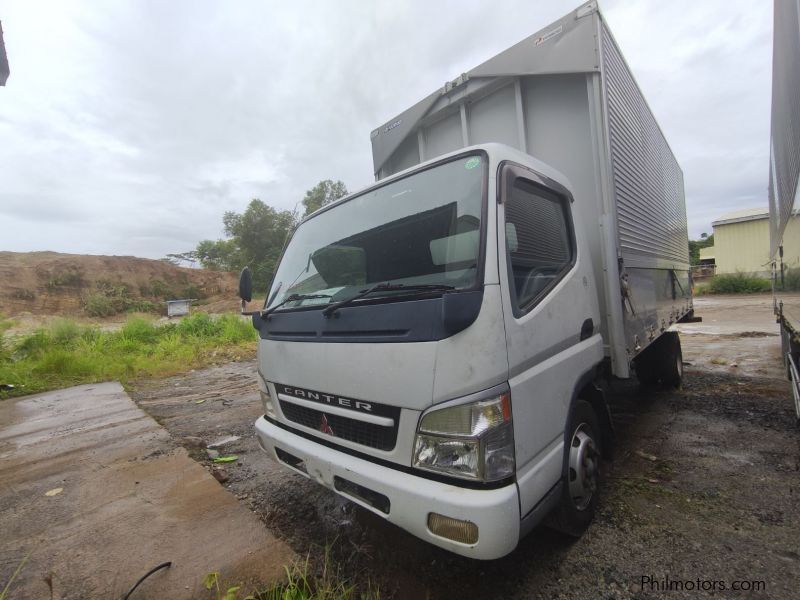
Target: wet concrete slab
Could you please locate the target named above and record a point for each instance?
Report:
(95, 493)
(738, 336)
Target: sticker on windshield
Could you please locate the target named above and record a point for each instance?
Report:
(472, 162)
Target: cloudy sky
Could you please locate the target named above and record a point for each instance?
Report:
(130, 127)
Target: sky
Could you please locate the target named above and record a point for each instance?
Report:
(130, 127)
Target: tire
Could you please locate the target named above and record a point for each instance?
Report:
(671, 360)
(582, 458)
(661, 361)
(646, 371)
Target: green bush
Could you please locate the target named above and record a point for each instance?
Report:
(144, 306)
(5, 324)
(70, 277)
(739, 283)
(157, 289)
(101, 305)
(791, 280)
(112, 298)
(193, 291)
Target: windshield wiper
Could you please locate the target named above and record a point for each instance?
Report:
(293, 298)
(383, 287)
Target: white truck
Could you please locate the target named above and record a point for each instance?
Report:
(431, 346)
(784, 179)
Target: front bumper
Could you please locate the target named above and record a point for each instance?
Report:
(411, 498)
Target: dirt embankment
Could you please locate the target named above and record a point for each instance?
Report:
(48, 283)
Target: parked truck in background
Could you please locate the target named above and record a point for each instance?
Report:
(784, 178)
(433, 347)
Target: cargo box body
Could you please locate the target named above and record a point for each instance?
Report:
(566, 96)
(784, 182)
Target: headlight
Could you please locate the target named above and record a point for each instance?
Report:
(471, 441)
(266, 399)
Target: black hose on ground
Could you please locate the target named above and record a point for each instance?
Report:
(145, 576)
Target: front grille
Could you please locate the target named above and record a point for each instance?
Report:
(366, 434)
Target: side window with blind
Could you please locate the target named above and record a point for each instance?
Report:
(539, 242)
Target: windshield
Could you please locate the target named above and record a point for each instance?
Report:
(420, 230)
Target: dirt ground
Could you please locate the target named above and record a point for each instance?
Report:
(94, 493)
(704, 490)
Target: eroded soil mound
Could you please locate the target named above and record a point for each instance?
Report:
(100, 286)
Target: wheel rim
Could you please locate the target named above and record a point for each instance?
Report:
(583, 465)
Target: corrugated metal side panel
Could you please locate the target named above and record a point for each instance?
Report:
(785, 167)
(648, 183)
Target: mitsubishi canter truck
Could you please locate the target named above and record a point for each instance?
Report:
(430, 347)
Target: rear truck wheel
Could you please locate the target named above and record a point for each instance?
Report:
(661, 361)
(582, 457)
(645, 367)
(672, 360)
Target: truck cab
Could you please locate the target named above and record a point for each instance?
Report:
(425, 342)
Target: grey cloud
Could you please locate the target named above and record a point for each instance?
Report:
(148, 120)
(42, 208)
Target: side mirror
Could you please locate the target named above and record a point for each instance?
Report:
(245, 286)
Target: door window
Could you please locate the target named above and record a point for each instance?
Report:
(539, 241)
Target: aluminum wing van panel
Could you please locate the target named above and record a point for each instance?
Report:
(648, 182)
(649, 208)
(784, 175)
(784, 189)
(565, 46)
(566, 97)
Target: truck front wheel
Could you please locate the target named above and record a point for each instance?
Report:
(581, 472)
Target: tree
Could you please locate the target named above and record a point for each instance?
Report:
(179, 258)
(256, 237)
(695, 245)
(221, 255)
(323, 193)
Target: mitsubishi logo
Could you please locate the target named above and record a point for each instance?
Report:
(324, 427)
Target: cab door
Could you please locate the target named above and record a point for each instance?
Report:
(551, 317)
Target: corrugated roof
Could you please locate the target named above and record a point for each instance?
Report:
(739, 216)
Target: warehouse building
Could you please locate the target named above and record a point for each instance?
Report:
(741, 243)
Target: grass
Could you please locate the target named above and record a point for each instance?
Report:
(791, 280)
(4, 592)
(738, 283)
(66, 353)
(304, 581)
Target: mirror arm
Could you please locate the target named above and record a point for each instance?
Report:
(247, 313)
